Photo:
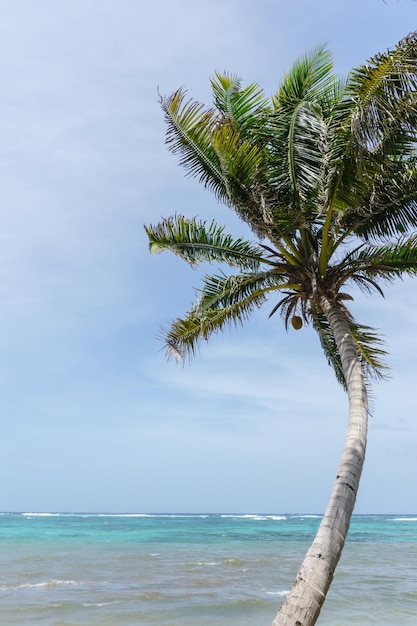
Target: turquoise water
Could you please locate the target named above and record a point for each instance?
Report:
(183, 570)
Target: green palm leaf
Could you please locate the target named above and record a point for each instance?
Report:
(240, 106)
(391, 205)
(387, 261)
(384, 89)
(375, 120)
(367, 343)
(239, 160)
(189, 132)
(184, 335)
(306, 143)
(327, 341)
(309, 77)
(297, 130)
(194, 242)
(221, 291)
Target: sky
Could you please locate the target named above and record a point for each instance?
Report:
(92, 416)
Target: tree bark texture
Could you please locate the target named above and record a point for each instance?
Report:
(304, 601)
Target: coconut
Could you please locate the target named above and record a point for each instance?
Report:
(296, 322)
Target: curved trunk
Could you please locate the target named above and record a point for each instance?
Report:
(304, 601)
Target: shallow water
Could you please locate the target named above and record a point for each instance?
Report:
(108, 570)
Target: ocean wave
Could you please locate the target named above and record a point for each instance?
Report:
(119, 515)
(43, 514)
(99, 604)
(151, 515)
(233, 562)
(252, 516)
(86, 515)
(47, 584)
(277, 593)
(404, 519)
(256, 517)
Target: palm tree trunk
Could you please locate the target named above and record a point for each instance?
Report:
(304, 601)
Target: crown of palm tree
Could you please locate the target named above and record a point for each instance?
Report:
(325, 175)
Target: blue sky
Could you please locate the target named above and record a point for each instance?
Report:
(92, 416)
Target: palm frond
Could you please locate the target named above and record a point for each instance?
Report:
(328, 343)
(296, 131)
(384, 91)
(391, 204)
(185, 334)
(367, 343)
(387, 261)
(221, 291)
(365, 283)
(242, 106)
(331, 95)
(190, 126)
(194, 242)
(239, 161)
(306, 146)
(218, 149)
(306, 80)
(375, 120)
(368, 346)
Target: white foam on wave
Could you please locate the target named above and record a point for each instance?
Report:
(31, 514)
(87, 604)
(277, 593)
(153, 515)
(404, 519)
(42, 514)
(254, 516)
(119, 515)
(238, 515)
(47, 584)
(257, 517)
(274, 518)
(182, 515)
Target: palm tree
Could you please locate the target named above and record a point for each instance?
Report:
(325, 175)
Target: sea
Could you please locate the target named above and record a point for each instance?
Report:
(71, 569)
